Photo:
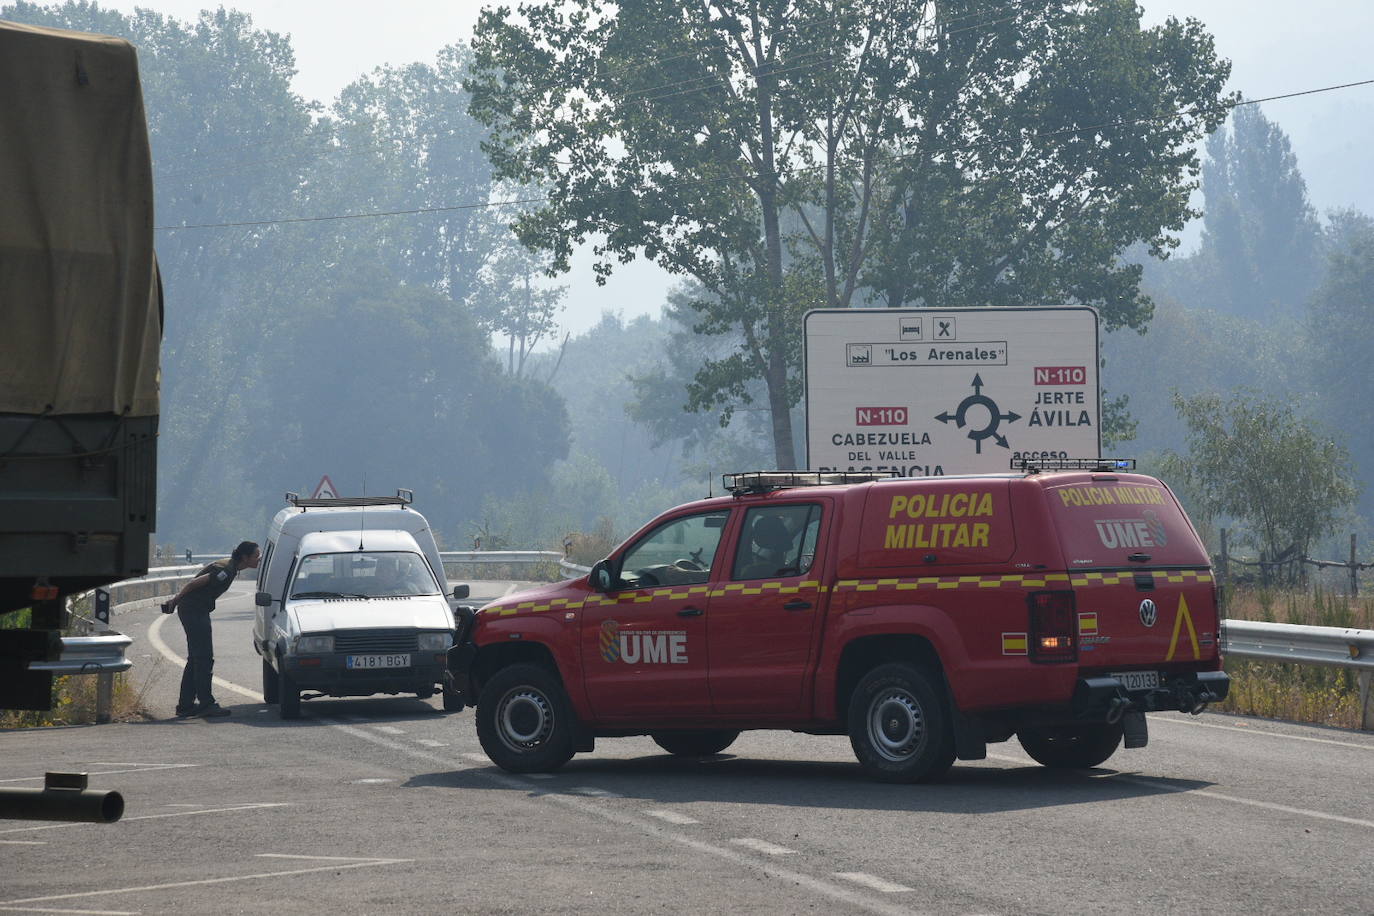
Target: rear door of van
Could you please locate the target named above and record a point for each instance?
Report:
(1142, 580)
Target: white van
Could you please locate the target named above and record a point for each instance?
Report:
(352, 601)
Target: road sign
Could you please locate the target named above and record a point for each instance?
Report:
(928, 392)
(325, 489)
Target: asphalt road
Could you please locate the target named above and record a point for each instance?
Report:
(389, 804)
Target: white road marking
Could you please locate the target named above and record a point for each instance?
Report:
(34, 909)
(763, 846)
(287, 855)
(1258, 732)
(133, 768)
(23, 842)
(873, 881)
(625, 819)
(477, 758)
(594, 792)
(430, 742)
(150, 817)
(1211, 793)
(369, 863)
(371, 782)
(389, 729)
(672, 817)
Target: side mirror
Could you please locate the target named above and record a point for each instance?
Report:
(263, 599)
(600, 578)
(460, 591)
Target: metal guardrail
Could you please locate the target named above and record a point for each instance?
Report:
(500, 556)
(1332, 647)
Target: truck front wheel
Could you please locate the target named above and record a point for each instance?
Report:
(1071, 747)
(898, 726)
(524, 720)
(695, 743)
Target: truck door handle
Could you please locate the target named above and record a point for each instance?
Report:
(796, 604)
(690, 612)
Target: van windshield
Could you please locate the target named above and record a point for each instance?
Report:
(363, 574)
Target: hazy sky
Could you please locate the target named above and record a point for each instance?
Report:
(1276, 47)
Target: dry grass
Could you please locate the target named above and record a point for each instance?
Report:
(1297, 693)
(74, 700)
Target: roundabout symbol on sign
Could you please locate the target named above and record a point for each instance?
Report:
(995, 417)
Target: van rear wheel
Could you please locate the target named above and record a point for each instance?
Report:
(898, 725)
(702, 743)
(1071, 747)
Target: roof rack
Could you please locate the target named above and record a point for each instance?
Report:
(765, 481)
(1035, 465)
(402, 498)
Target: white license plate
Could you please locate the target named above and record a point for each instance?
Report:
(1137, 680)
(378, 661)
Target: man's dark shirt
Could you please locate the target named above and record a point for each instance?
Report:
(222, 574)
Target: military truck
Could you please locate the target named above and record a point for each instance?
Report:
(80, 329)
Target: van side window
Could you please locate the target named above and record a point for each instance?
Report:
(777, 541)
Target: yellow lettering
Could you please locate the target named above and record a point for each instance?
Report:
(961, 536)
(980, 535)
(959, 504)
(898, 504)
(984, 505)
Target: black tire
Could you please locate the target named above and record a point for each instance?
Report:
(270, 687)
(453, 701)
(695, 743)
(899, 726)
(524, 720)
(288, 694)
(425, 693)
(1071, 747)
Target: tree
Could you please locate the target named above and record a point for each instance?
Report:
(509, 302)
(788, 154)
(1341, 327)
(1260, 463)
(1261, 242)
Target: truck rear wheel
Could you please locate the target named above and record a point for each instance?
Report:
(269, 683)
(524, 720)
(1071, 747)
(898, 726)
(695, 743)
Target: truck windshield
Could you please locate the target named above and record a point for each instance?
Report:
(363, 574)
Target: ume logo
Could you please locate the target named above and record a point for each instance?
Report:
(1132, 532)
(642, 647)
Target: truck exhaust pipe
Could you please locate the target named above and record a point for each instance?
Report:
(64, 797)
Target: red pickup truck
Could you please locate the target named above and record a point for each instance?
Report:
(923, 617)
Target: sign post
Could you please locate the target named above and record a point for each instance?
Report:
(928, 392)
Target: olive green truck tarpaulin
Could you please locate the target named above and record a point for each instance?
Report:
(80, 320)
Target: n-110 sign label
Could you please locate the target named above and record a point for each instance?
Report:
(927, 392)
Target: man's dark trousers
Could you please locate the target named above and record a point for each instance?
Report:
(200, 660)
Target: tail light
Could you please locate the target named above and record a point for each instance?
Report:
(1053, 627)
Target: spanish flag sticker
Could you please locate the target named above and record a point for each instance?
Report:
(1087, 624)
(1013, 643)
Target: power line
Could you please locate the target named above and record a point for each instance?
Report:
(704, 182)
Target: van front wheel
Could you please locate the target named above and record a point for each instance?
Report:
(898, 725)
(524, 720)
(269, 683)
(288, 694)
